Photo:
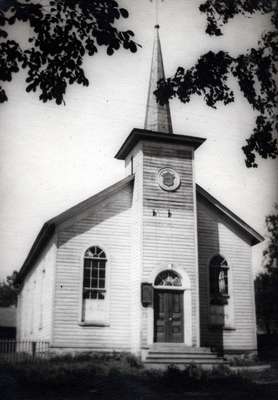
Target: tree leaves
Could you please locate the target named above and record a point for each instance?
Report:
(266, 283)
(207, 79)
(266, 295)
(220, 12)
(8, 291)
(10, 58)
(124, 12)
(255, 72)
(63, 33)
(271, 253)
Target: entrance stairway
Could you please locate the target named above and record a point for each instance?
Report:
(161, 355)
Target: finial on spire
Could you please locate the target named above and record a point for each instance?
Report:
(158, 117)
(156, 11)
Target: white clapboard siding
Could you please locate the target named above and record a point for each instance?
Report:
(107, 225)
(34, 321)
(216, 235)
(168, 240)
(137, 250)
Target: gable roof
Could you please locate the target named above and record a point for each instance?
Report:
(253, 236)
(49, 228)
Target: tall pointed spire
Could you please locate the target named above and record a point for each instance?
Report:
(158, 117)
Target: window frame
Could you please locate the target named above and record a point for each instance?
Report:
(95, 288)
(98, 322)
(227, 298)
(221, 297)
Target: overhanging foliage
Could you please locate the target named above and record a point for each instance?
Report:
(62, 33)
(255, 72)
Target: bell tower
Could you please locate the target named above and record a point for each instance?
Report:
(164, 226)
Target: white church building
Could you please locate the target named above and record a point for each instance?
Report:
(152, 265)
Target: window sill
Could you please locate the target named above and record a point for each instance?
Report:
(94, 323)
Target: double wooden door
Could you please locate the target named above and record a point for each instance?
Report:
(168, 316)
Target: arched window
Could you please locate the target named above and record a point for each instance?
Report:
(168, 278)
(94, 274)
(94, 306)
(218, 277)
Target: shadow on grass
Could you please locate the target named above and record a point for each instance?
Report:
(122, 376)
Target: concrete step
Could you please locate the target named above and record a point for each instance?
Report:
(178, 347)
(182, 365)
(161, 355)
(185, 361)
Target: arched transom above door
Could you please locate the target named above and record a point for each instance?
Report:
(168, 278)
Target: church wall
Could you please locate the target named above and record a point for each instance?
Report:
(107, 225)
(216, 235)
(34, 319)
(168, 241)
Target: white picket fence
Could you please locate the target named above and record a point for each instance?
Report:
(14, 350)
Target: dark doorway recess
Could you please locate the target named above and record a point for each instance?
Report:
(168, 316)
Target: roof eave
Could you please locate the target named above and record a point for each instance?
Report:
(91, 201)
(49, 228)
(253, 235)
(43, 238)
(143, 134)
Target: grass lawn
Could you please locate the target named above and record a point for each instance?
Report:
(123, 377)
(138, 391)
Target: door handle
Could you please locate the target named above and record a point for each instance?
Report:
(170, 318)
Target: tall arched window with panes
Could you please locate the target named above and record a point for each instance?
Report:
(218, 274)
(221, 299)
(94, 303)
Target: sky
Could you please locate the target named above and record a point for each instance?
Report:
(52, 157)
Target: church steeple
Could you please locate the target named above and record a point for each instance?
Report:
(158, 117)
